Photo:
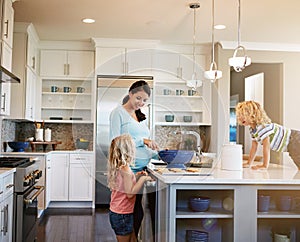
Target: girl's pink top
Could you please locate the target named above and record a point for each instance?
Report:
(119, 202)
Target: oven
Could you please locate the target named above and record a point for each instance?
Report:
(26, 192)
(26, 206)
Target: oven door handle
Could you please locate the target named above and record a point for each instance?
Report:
(35, 195)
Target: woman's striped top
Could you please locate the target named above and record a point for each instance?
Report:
(279, 135)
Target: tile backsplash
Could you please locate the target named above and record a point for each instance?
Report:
(66, 133)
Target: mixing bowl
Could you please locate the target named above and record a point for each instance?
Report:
(199, 204)
(176, 158)
(18, 146)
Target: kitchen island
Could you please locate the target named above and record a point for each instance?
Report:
(233, 213)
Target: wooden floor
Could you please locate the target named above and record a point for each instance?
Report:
(75, 225)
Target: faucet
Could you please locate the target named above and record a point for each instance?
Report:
(197, 137)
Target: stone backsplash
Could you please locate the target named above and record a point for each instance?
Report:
(169, 137)
(66, 133)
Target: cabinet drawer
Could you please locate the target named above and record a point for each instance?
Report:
(81, 158)
(8, 185)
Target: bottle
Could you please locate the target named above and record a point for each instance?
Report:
(48, 134)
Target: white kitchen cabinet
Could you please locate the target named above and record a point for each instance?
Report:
(59, 177)
(73, 106)
(7, 22)
(48, 180)
(6, 207)
(66, 63)
(198, 106)
(72, 177)
(123, 61)
(172, 65)
(81, 177)
(25, 42)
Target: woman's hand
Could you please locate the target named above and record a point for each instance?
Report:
(151, 144)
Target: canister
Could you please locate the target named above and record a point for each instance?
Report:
(39, 134)
(232, 157)
(48, 134)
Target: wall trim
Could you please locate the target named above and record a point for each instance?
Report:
(262, 46)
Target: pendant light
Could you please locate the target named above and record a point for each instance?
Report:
(213, 74)
(194, 82)
(239, 63)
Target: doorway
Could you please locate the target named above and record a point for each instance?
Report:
(272, 95)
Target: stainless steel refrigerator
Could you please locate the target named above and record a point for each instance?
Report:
(110, 92)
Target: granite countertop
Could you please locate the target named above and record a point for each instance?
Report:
(275, 174)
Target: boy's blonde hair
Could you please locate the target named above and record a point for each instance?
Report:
(121, 153)
(253, 111)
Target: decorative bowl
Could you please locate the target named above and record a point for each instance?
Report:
(83, 145)
(196, 235)
(18, 146)
(169, 118)
(199, 204)
(187, 118)
(176, 158)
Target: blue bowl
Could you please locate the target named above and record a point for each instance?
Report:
(176, 156)
(199, 204)
(18, 146)
(196, 235)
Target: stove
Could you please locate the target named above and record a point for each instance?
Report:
(25, 195)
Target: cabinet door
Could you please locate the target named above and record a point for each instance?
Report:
(110, 61)
(80, 64)
(59, 177)
(53, 63)
(31, 54)
(48, 181)
(8, 23)
(166, 65)
(138, 62)
(81, 177)
(30, 94)
(7, 221)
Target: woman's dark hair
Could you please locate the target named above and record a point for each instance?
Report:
(134, 88)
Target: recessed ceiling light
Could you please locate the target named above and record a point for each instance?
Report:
(220, 26)
(88, 20)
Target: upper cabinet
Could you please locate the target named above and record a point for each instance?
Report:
(24, 66)
(7, 24)
(123, 61)
(67, 63)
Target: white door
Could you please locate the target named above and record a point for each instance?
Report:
(30, 94)
(80, 64)
(254, 90)
(59, 177)
(53, 63)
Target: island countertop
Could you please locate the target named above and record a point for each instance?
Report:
(275, 174)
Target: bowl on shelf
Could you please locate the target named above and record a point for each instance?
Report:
(199, 203)
(169, 118)
(187, 118)
(196, 235)
(18, 146)
(82, 144)
(176, 158)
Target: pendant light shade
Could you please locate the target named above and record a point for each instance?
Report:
(213, 73)
(239, 62)
(194, 82)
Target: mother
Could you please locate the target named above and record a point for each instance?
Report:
(128, 118)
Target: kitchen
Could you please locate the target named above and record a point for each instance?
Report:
(52, 106)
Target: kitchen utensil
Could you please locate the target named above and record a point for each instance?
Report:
(187, 118)
(54, 89)
(285, 203)
(176, 158)
(179, 92)
(67, 89)
(18, 146)
(169, 118)
(80, 89)
(199, 204)
(263, 203)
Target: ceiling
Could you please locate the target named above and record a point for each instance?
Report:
(165, 20)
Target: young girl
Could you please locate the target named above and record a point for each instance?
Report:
(124, 185)
(271, 135)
